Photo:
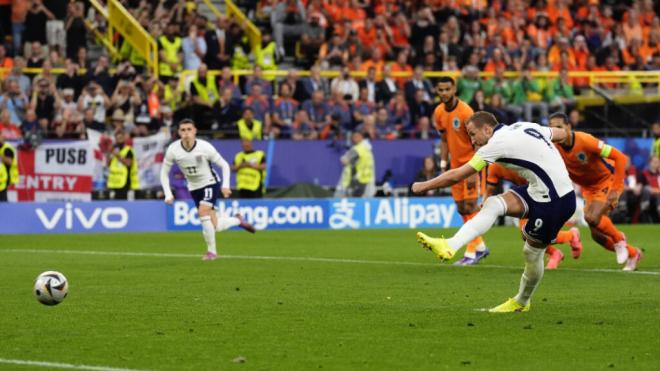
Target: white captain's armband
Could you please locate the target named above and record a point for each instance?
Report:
(477, 163)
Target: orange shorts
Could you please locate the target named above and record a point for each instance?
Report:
(597, 192)
(461, 192)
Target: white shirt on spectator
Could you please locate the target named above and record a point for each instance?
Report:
(346, 87)
(191, 60)
(97, 103)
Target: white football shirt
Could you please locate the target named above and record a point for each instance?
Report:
(527, 148)
(195, 165)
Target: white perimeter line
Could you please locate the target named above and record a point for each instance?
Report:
(61, 365)
(302, 258)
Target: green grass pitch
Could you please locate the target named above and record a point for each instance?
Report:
(304, 300)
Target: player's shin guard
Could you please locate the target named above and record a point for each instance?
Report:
(493, 208)
(532, 275)
(225, 223)
(209, 233)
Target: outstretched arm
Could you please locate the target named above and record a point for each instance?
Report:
(445, 179)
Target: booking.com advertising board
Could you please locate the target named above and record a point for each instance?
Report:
(280, 214)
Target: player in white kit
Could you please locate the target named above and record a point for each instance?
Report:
(194, 158)
(548, 201)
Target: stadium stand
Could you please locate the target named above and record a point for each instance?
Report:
(309, 69)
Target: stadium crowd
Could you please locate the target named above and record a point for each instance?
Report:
(368, 43)
(365, 40)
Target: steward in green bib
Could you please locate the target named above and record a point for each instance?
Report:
(170, 55)
(250, 168)
(123, 169)
(8, 167)
(358, 176)
(249, 128)
(204, 94)
(266, 57)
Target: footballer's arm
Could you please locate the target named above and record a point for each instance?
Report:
(444, 150)
(165, 178)
(445, 179)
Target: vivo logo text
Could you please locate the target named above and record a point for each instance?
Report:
(108, 217)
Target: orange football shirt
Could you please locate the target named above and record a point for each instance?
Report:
(452, 124)
(585, 165)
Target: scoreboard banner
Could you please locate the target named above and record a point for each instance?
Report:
(59, 171)
(274, 214)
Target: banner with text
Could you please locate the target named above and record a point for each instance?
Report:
(80, 217)
(292, 214)
(348, 213)
(60, 171)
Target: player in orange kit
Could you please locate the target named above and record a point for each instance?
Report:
(496, 174)
(584, 156)
(450, 117)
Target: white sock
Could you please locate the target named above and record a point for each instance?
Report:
(481, 246)
(225, 223)
(493, 208)
(209, 233)
(532, 275)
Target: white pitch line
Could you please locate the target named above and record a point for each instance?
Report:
(61, 365)
(304, 258)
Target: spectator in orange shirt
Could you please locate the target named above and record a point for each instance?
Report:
(607, 18)
(380, 42)
(562, 45)
(400, 29)
(353, 12)
(560, 10)
(5, 61)
(497, 60)
(19, 9)
(539, 31)
(376, 61)
(581, 52)
(401, 65)
(632, 28)
(367, 32)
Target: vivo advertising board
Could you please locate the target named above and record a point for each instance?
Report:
(156, 216)
(80, 217)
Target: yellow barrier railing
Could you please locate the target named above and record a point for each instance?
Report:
(252, 31)
(103, 39)
(121, 20)
(594, 78)
(624, 78)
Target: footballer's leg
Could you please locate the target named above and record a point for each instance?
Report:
(465, 195)
(595, 215)
(226, 222)
(493, 208)
(206, 211)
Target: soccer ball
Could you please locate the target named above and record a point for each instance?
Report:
(51, 288)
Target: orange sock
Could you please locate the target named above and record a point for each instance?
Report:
(564, 237)
(609, 243)
(550, 250)
(471, 247)
(607, 228)
(632, 251)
